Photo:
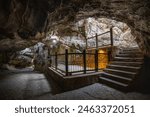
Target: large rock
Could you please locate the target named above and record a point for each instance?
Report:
(33, 56)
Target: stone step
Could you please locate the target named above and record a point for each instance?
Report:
(125, 68)
(130, 52)
(134, 64)
(113, 83)
(116, 77)
(131, 49)
(129, 55)
(120, 73)
(128, 59)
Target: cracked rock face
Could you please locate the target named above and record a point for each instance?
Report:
(25, 22)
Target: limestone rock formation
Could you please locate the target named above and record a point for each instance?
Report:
(25, 22)
(33, 56)
(121, 32)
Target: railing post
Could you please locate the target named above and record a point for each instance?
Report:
(84, 61)
(86, 42)
(50, 60)
(66, 61)
(96, 41)
(56, 62)
(110, 54)
(111, 36)
(96, 60)
(112, 43)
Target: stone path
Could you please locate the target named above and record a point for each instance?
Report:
(97, 92)
(22, 85)
(33, 85)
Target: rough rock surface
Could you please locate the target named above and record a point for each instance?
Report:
(121, 32)
(88, 28)
(33, 56)
(21, 21)
(22, 59)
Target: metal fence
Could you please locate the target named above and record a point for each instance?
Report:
(72, 63)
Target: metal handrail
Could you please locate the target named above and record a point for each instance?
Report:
(71, 62)
(98, 35)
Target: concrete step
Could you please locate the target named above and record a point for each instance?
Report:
(130, 55)
(123, 63)
(130, 59)
(120, 73)
(113, 83)
(125, 68)
(116, 77)
(130, 52)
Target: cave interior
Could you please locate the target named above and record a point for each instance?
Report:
(108, 37)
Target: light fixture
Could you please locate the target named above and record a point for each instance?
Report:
(54, 42)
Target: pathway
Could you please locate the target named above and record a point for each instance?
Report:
(27, 84)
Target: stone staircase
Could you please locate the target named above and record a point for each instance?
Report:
(121, 72)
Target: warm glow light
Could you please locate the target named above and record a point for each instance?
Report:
(102, 59)
(102, 51)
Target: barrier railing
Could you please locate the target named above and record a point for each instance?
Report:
(73, 63)
(99, 40)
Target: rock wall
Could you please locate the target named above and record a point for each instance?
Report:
(121, 32)
(135, 13)
(22, 21)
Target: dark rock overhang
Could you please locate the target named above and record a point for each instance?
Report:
(29, 20)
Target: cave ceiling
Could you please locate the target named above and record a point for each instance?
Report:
(25, 22)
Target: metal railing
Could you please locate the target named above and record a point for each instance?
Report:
(73, 63)
(99, 40)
